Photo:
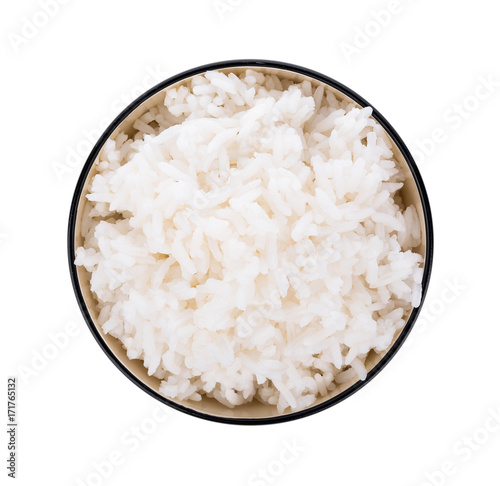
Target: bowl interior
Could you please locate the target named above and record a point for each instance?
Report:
(209, 406)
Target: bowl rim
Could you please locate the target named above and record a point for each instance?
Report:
(252, 63)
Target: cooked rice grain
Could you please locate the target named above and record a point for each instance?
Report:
(249, 241)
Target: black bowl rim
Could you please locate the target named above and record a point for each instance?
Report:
(253, 63)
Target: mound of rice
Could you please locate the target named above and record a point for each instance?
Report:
(249, 242)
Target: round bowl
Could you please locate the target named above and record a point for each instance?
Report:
(253, 413)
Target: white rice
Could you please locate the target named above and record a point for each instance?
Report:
(249, 242)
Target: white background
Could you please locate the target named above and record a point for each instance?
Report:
(78, 409)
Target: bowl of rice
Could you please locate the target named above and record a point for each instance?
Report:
(250, 242)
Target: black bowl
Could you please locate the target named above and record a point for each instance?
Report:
(255, 414)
